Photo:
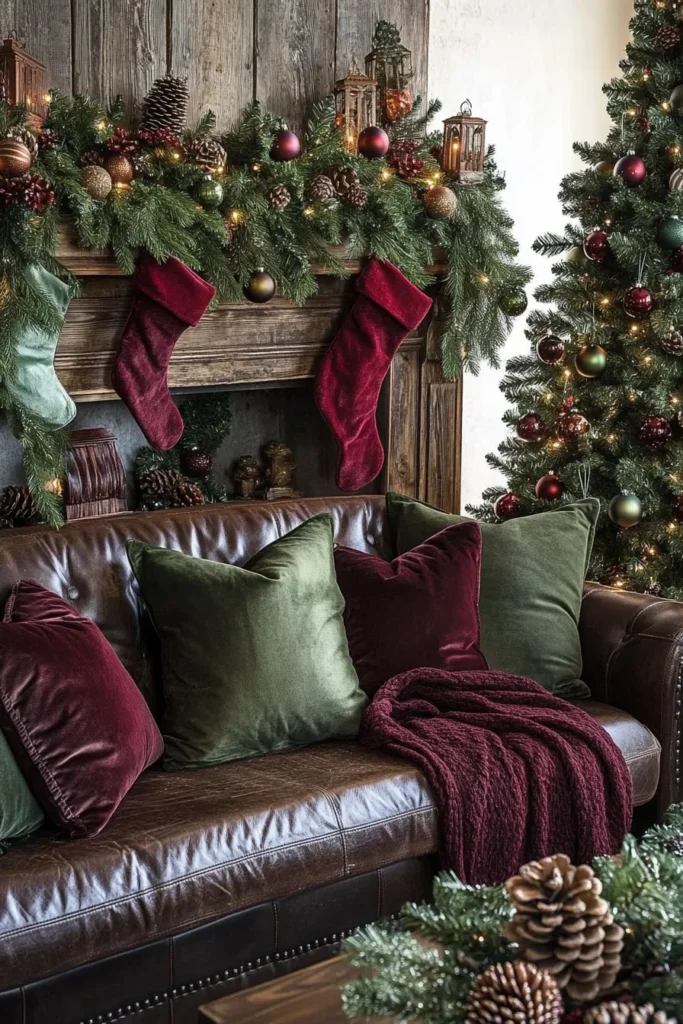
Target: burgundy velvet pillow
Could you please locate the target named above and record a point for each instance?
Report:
(75, 720)
(421, 610)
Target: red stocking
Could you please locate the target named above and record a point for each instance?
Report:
(350, 376)
(169, 298)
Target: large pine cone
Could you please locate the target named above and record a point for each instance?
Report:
(514, 992)
(672, 342)
(279, 197)
(208, 154)
(564, 926)
(159, 483)
(187, 494)
(356, 197)
(165, 105)
(321, 189)
(17, 504)
(626, 1013)
(667, 38)
(343, 180)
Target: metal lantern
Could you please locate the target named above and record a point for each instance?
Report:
(355, 103)
(25, 80)
(464, 145)
(391, 65)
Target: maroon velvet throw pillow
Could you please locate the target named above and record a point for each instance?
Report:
(75, 720)
(421, 610)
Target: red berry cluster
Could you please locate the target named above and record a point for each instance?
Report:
(402, 158)
(162, 138)
(48, 139)
(30, 190)
(123, 141)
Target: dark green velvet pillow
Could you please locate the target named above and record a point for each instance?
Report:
(532, 575)
(20, 812)
(254, 659)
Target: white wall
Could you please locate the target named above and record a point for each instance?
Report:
(534, 69)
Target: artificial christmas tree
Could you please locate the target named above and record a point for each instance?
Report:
(616, 307)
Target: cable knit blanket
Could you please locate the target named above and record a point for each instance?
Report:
(517, 774)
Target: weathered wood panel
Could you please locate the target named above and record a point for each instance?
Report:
(440, 426)
(120, 46)
(402, 456)
(294, 55)
(44, 26)
(213, 44)
(356, 20)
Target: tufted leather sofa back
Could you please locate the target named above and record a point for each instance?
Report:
(86, 563)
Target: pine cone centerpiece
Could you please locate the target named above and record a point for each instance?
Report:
(514, 992)
(165, 105)
(563, 925)
(279, 197)
(187, 494)
(321, 189)
(667, 38)
(207, 154)
(344, 179)
(159, 483)
(356, 197)
(17, 504)
(626, 1013)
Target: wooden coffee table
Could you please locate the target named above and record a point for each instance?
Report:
(308, 996)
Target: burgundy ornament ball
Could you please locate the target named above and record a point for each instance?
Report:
(286, 146)
(655, 431)
(638, 302)
(550, 350)
(596, 246)
(631, 169)
(530, 427)
(571, 426)
(373, 142)
(550, 487)
(508, 506)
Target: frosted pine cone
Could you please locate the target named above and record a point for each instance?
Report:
(626, 1013)
(343, 180)
(321, 189)
(165, 106)
(279, 197)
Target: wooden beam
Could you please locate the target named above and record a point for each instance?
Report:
(44, 26)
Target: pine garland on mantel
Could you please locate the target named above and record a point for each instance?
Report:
(225, 207)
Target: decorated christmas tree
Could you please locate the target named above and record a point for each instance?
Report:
(597, 407)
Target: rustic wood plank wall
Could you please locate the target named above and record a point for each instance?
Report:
(286, 53)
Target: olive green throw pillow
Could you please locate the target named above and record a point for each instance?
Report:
(254, 659)
(532, 575)
(20, 812)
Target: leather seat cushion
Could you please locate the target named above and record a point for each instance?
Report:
(641, 748)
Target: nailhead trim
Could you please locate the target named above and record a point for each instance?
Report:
(679, 705)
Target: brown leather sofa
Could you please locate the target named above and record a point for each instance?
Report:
(207, 881)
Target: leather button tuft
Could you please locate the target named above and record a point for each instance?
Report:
(72, 593)
(370, 539)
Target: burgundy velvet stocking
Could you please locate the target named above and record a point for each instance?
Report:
(169, 298)
(350, 376)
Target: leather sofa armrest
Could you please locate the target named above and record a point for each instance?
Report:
(632, 648)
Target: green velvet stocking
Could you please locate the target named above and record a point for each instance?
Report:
(36, 386)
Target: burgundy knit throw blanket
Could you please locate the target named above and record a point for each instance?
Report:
(517, 774)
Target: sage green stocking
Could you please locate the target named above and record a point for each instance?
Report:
(36, 386)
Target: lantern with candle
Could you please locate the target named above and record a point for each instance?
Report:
(391, 65)
(464, 146)
(355, 103)
(25, 80)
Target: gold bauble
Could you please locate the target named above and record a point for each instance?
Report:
(120, 168)
(439, 202)
(96, 181)
(15, 157)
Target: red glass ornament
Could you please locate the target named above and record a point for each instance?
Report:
(571, 426)
(655, 431)
(678, 508)
(531, 427)
(508, 506)
(596, 246)
(550, 350)
(677, 262)
(550, 487)
(638, 302)
(631, 169)
(286, 146)
(373, 142)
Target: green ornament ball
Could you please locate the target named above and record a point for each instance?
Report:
(670, 233)
(514, 302)
(676, 99)
(590, 360)
(576, 256)
(210, 194)
(625, 510)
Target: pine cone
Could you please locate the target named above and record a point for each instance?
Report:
(123, 141)
(48, 139)
(27, 137)
(159, 483)
(672, 343)
(17, 504)
(92, 158)
(279, 197)
(514, 992)
(165, 106)
(674, 845)
(207, 154)
(38, 194)
(321, 189)
(408, 166)
(187, 494)
(626, 1013)
(343, 180)
(357, 197)
(667, 38)
(564, 926)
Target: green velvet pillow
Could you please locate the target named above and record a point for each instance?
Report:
(532, 575)
(254, 659)
(20, 812)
